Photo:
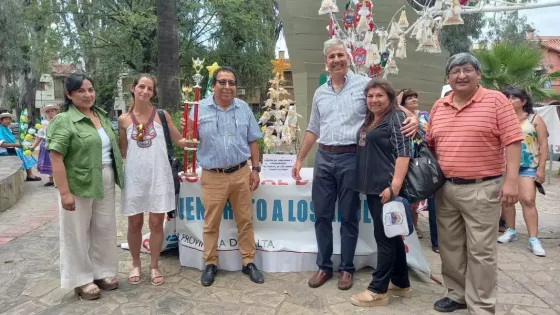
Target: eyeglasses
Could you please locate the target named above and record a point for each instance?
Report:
(140, 134)
(224, 82)
(225, 128)
(458, 72)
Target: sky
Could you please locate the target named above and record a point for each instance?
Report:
(545, 20)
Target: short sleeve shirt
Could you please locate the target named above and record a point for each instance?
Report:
(469, 142)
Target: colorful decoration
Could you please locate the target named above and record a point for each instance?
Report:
(27, 135)
(279, 120)
(211, 69)
(374, 52)
(191, 138)
(280, 65)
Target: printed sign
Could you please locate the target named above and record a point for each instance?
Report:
(283, 222)
(278, 165)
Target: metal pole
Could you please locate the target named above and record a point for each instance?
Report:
(486, 9)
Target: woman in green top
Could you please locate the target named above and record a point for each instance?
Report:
(86, 164)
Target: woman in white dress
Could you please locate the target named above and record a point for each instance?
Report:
(148, 181)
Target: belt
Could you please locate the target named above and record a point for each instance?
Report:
(228, 170)
(338, 149)
(462, 181)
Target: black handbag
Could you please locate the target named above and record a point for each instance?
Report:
(424, 177)
(170, 155)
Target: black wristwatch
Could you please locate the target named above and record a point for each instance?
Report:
(256, 168)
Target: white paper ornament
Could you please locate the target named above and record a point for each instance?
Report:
(401, 48)
(394, 31)
(391, 67)
(328, 6)
(453, 14)
(382, 41)
(403, 21)
(373, 57)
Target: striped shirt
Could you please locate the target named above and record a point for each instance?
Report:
(469, 142)
(337, 117)
(224, 135)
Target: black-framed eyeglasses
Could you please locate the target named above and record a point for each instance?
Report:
(223, 128)
(224, 82)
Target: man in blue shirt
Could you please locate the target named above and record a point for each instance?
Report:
(228, 134)
(337, 113)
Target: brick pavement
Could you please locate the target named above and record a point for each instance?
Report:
(29, 273)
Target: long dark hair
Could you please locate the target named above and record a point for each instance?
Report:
(135, 83)
(385, 86)
(73, 83)
(522, 95)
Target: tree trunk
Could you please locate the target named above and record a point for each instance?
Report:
(27, 90)
(3, 87)
(169, 93)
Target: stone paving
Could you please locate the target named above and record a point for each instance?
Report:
(29, 275)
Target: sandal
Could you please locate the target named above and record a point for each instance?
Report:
(134, 273)
(107, 284)
(370, 299)
(155, 274)
(87, 292)
(435, 250)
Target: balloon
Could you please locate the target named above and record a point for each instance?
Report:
(24, 126)
(26, 144)
(27, 152)
(28, 137)
(24, 119)
(31, 131)
(38, 126)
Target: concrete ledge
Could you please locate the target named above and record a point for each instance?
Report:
(12, 178)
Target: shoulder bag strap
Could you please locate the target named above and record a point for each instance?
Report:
(163, 120)
(533, 116)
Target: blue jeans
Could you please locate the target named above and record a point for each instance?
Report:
(432, 220)
(333, 180)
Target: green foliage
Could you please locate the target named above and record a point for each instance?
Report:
(515, 65)
(176, 116)
(459, 38)
(508, 26)
(260, 142)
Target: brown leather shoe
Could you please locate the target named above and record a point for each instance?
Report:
(319, 278)
(345, 280)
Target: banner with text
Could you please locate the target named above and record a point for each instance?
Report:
(283, 220)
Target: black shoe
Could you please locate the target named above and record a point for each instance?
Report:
(208, 275)
(447, 305)
(254, 273)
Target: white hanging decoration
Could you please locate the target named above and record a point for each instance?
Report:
(453, 14)
(368, 38)
(394, 31)
(328, 6)
(372, 57)
(363, 25)
(438, 5)
(403, 21)
(382, 41)
(401, 48)
(391, 67)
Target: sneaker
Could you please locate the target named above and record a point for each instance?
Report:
(536, 247)
(508, 236)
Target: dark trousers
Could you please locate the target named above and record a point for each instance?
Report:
(433, 221)
(391, 255)
(334, 179)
